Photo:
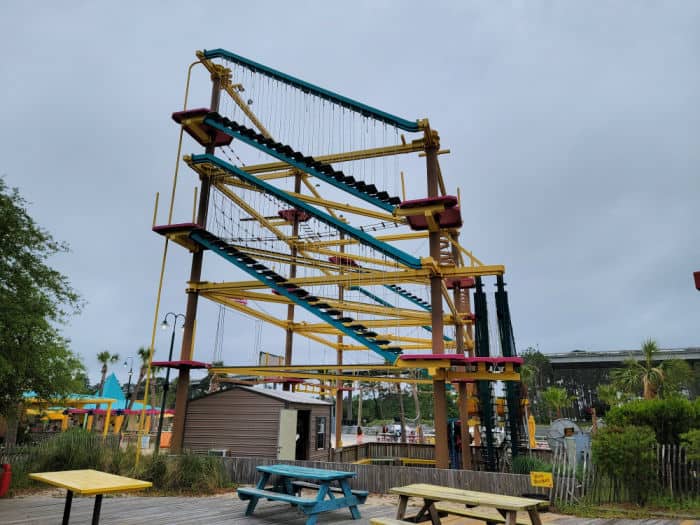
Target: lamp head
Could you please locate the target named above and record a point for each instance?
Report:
(164, 325)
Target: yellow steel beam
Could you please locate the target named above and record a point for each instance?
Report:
(355, 210)
(315, 193)
(384, 151)
(386, 238)
(438, 369)
(322, 328)
(255, 313)
(450, 303)
(231, 90)
(253, 213)
(406, 348)
(405, 276)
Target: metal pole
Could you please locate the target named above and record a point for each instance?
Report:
(166, 387)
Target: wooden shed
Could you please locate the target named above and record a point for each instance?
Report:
(248, 421)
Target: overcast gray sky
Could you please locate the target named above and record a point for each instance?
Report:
(573, 126)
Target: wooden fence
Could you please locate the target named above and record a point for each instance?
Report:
(577, 479)
(380, 478)
(381, 450)
(409, 450)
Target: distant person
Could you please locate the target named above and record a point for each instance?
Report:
(359, 435)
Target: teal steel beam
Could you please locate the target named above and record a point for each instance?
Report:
(364, 238)
(205, 239)
(299, 165)
(381, 301)
(306, 87)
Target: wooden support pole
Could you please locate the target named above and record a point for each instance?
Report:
(289, 336)
(440, 393)
(183, 377)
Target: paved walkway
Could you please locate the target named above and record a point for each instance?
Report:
(227, 510)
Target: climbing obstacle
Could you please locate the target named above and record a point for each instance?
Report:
(302, 192)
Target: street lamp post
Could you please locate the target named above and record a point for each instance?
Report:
(130, 361)
(164, 325)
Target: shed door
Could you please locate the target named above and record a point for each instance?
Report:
(286, 442)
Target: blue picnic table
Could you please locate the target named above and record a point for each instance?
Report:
(285, 482)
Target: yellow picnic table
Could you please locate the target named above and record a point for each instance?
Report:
(88, 482)
(437, 499)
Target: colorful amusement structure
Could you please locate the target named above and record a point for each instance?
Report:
(306, 197)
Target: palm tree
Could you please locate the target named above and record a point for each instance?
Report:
(105, 358)
(144, 354)
(557, 398)
(643, 373)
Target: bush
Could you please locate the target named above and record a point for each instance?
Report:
(184, 473)
(79, 449)
(691, 441)
(669, 418)
(627, 455)
(527, 464)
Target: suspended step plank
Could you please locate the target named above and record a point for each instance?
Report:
(286, 153)
(297, 295)
(204, 164)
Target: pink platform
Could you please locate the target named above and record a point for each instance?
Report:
(181, 364)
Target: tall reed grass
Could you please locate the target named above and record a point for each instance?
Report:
(77, 449)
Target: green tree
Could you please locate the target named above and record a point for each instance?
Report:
(668, 417)
(538, 369)
(34, 300)
(106, 359)
(678, 378)
(645, 374)
(611, 396)
(556, 398)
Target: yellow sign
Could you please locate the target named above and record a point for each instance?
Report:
(541, 479)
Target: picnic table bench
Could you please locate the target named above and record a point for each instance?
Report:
(439, 500)
(288, 482)
(88, 482)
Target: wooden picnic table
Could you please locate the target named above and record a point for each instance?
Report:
(289, 480)
(435, 496)
(88, 482)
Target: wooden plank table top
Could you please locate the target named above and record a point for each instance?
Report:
(507, 506)
(466, 497)
(292, 471)
(88, 482)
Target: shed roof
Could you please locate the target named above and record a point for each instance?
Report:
(292, 397)
(289, 397)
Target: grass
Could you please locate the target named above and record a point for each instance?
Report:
(78, 449)
(660, 507)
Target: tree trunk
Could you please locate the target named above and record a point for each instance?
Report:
(102, 380)
(12, 426)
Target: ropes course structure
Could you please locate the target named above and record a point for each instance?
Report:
(303, 192)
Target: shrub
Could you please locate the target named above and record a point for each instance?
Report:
(71, 450)
(527, 464)
(691, 440)
(669, 418)
(627, 455)
(184, 473)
